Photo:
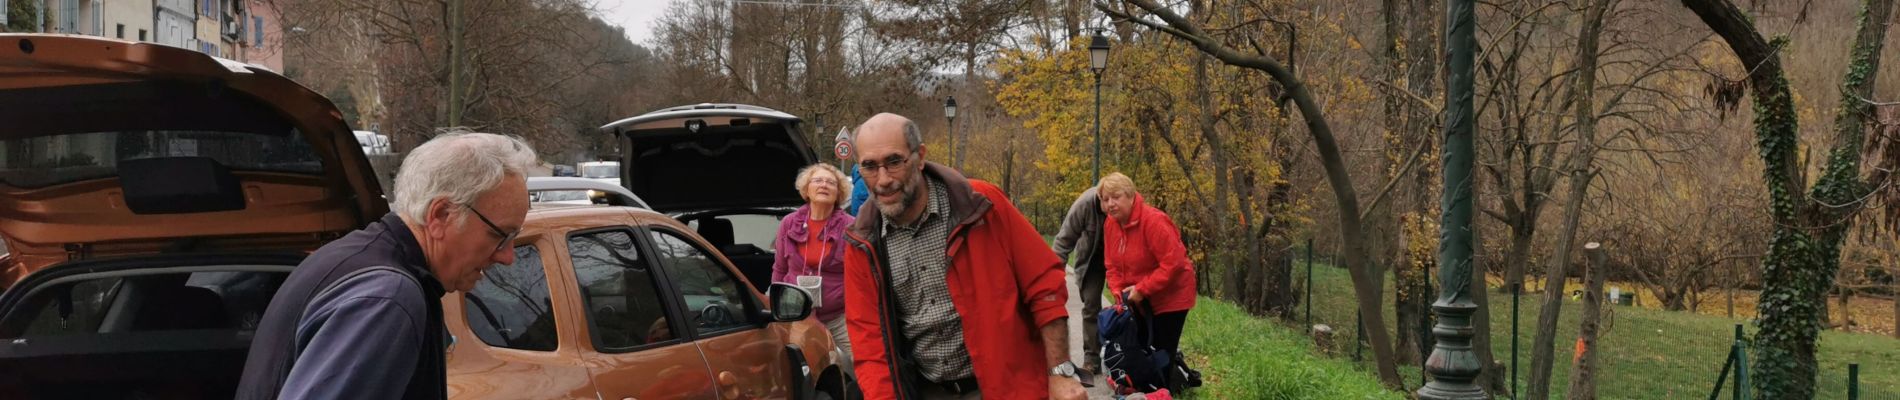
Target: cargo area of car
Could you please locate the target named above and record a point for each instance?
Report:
(167, 328)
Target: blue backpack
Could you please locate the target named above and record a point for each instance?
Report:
(1130, 362)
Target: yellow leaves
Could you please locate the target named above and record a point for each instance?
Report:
(1353, 43)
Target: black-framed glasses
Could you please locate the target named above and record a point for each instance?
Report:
(892, 162)
(506, 237)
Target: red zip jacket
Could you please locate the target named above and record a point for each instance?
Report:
(1146, 252)
(1005, 281)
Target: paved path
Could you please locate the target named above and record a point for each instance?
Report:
(1100, 391)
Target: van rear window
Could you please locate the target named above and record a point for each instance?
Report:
(233, 300)
(41, 161)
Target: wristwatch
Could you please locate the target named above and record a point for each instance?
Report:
(1066, 370)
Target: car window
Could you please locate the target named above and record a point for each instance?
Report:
(510, 307)
(758, 230)
(619, 290)
(32, 162)
(601, 170)
(713, 297)
(158, 302)
(560, 195)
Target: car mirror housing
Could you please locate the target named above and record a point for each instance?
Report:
(789, 303)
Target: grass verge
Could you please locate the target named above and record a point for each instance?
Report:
(1645, 354)
(1244, 357)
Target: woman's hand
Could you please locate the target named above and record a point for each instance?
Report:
(1131, 295)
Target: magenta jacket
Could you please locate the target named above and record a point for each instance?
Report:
(788, 264)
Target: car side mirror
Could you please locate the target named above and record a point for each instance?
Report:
(789, 303)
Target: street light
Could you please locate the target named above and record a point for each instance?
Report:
(1098, 62)
(950, 113)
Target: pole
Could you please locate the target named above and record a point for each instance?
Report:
(1098, 129)
(1517, 290)
(956, 147)
(1853, 381)
(1454, 368)
(1741, 363)
(1358, 338)
(1309, 283)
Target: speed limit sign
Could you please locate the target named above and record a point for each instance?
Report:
(842, 150)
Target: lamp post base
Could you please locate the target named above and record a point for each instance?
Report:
(1453, 366)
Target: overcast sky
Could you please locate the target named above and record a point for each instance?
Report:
(637, 16)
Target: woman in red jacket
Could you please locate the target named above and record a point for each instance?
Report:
(1146, 260)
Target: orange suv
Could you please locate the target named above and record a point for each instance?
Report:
(152, 200)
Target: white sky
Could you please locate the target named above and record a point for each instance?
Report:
(637, 16)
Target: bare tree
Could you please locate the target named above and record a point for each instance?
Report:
(1367, 281)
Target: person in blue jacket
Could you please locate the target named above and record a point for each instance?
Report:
(858, 192)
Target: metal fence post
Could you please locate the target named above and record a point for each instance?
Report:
(1517, 289)
(1853, 381)
(1722, 378)
(1741, 371)
(1309, 283)
(1741, 363)
(1358, 338)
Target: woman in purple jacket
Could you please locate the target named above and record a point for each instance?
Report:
(810, 247)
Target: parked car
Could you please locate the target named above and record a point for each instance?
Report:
(604, 171)
(742, 159)
(155, 198)
(627, 303)
(580, 191)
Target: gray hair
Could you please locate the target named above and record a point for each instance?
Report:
(913, 137)
(458, 166)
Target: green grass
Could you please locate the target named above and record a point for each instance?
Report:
(1243, 357)
(1646, 354)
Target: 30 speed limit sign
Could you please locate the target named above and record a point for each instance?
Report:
(842, 150)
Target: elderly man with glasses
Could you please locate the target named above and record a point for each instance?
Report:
(361, 318)
(949, 291)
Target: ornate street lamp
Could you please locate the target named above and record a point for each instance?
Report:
(1452, 364)
(1098, 62)
(950, 112)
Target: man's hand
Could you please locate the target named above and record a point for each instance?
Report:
(1066, 388)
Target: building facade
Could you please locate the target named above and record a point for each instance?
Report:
(243, 30)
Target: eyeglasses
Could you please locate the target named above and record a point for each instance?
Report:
(506, 237)
(890, 163)
(822, 181)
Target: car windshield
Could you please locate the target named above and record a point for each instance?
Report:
(39, 161)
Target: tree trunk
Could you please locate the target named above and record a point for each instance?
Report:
(1804, 249)
(1368, 284)
(455, 63)
(1413, 292)
(1583, 380)
(1847, 314)
(1584, 101)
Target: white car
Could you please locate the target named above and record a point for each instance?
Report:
(580, 191)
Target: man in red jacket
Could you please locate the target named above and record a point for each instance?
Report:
(949, 291)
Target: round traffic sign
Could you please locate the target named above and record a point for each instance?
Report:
(842, 150)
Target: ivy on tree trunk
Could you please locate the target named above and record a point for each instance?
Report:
(1804, 250)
